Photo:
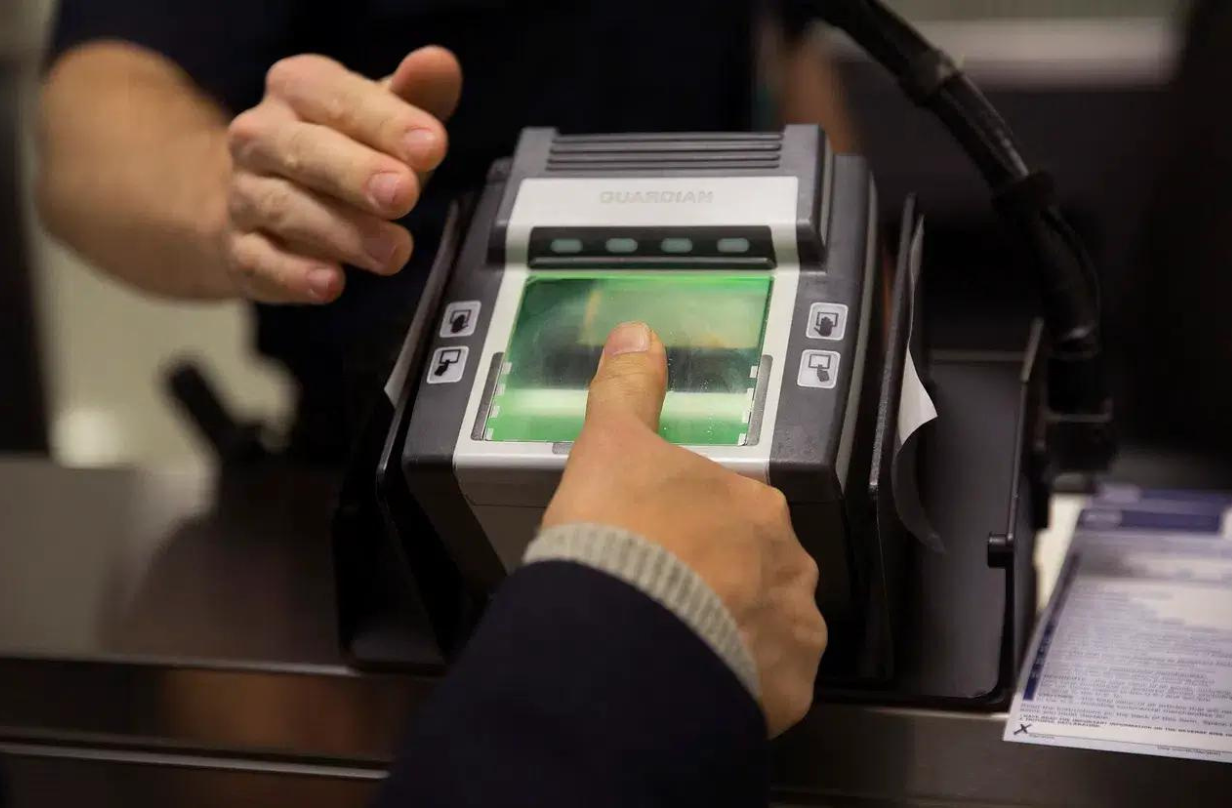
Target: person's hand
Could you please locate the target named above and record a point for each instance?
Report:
(323, 165)
(733, 531)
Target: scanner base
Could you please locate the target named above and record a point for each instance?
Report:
(965, 623)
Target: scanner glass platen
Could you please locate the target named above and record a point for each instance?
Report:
(712, 324)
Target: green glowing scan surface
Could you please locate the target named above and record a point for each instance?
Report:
(712, 323)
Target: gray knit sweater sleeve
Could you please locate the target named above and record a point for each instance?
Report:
(658, 574)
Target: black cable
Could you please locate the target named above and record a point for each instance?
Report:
(1023, 198)
(933, 81)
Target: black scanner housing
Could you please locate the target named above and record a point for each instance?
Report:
(410, 531)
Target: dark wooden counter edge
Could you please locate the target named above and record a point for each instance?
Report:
(322, 722)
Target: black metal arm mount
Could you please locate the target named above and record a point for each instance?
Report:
(1078, 409)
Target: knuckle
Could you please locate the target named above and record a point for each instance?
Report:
(739, 586)
(297, 148)
(776, 501)
(244, 256)
(244, 130)
(626, 369)
(396, 126)
(772, 508)
(623, 388)
(630, 372)
(276, 205)
(744, 495)
(238, 205)
(281, 74)
(337, 111)
(810, 571)
(285, 75)
(821, 637)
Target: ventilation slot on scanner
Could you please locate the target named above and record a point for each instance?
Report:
(675, 152)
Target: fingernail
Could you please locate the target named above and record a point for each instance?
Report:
(628, 338)
(379, 248)
(421, 147)
(322, 283)
(383, 188)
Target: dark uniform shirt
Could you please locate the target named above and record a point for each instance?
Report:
(578, 65)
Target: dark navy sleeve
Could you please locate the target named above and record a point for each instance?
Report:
(577, 689)
(226, 46)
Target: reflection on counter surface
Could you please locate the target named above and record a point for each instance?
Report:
(211, 604)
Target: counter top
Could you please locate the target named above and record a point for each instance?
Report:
(160, 635)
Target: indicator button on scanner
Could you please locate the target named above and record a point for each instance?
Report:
(621, 245)
(565, 246)
(733, 246)
(827, 321)
(676, 245)
(818, 369)
(461, 317)
(447, 365)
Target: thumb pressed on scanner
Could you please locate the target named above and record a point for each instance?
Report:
(632, 378)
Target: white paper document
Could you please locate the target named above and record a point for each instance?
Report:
(1134, 652)
(915, 411)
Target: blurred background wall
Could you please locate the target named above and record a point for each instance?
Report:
(1073, 75)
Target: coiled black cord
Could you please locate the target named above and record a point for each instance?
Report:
(1023, 198)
